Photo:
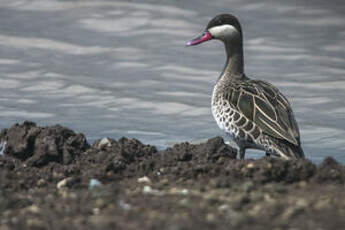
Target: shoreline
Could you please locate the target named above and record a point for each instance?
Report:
(51, 178)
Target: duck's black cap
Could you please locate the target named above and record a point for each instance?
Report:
(225, 19)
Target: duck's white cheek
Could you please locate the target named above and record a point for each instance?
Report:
(223, 31)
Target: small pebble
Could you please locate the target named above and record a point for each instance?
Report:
(41, 182)
(223, 207)
(250, 165)
(33, 209)
(96, 211)
(302, 184)
(4, 227)
(184, 202)
(125, 206)
(210, 217)
(184, 192)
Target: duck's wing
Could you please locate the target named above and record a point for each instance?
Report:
(262, 103)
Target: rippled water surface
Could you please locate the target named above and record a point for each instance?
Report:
(119, 68)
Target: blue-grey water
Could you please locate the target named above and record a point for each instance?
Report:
(121, 68)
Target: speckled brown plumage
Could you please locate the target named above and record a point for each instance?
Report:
(253, 112)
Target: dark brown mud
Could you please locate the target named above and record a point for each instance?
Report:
(51, 178)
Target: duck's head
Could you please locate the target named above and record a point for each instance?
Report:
(224, 27)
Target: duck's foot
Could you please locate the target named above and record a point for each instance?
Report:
(242, 152)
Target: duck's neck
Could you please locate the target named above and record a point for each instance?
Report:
(234, 68)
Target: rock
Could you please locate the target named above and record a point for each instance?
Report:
(102, 221)
(210, 217)
(35, 223)
(292, 211)
(247, 186)
(223, 207)
(96, 211)
(33, 209)
(4, 227)
(7, 163)
(185, 192)
(323, 204)
(41, 182)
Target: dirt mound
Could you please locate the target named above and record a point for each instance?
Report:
(330, 171)
(51, 178)
(38, 146)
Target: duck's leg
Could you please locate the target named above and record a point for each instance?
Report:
(242, 152)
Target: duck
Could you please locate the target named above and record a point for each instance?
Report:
(254, 113)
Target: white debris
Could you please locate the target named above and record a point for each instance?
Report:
(94, 183)
(64, 183)
(105, 142)
(33, 209)
(96, 211)
(224, 207)
(2, 147)
(148, 190)
(177, 191)
(144, 179)
(125, 206)
(184, 192)
(61, 183)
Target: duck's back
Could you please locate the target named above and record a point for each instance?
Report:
(255, 114)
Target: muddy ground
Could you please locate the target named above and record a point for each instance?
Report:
(51, 178)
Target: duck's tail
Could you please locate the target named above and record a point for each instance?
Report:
(287, 150)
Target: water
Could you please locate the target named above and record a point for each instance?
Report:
(119, 68)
